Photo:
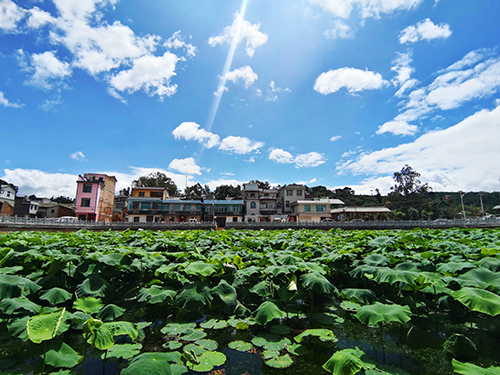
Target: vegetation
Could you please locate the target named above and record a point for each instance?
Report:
(383, 302)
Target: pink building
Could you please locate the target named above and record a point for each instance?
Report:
(95, 195)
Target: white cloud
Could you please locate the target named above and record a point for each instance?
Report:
(10, 15)
(150, 73)
(272, 96)
(402, 66)
(245, 73)
(39, 18)
(78, 156)
(46, 69)
(191, 131)
(312, 159)
(185, 166)
(424, 30)
(354, 80)
(177, 41)
(41, 184)
(335, 138)
(447, 159)
(450, 89)
(397, 128)
(239, 145)
(367, 8)
(339, 30)
(281, 156)
(6, 103)
(241, 30)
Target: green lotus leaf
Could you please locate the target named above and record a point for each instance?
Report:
(323, 334)
(199, 269)
(376, 260)
(382, 242)
(172, 345)
(268, 341)
(349, 306)
(297, 349)
(112, 259)
(178, 328)
(268, 311)
(207, 344)
(191, 352)
(17, 328)
(110, 312)
(156, 294)
(478, 300)
(194, 296)
(88, 305)
(453, 267)
(241, 324)
(282, 361)
(225, 296)
(10, 305)
(372, 315)
(471, 369)
(5, 254)
(362, 296)
(122, 328)
(386, 370)
(262, 289)
(100, 337)
(60, 354)
(392, 276)
(317, 283)
(153, 363)
(56, 296)
(312, 268)
(14, 286)
(44, 327)
(270, 353)
(278, 270)
(178, 369)
(94, 286)
(345, 362)
(197, 334)
(481, 278)
(124, 351)
(493, 264)
(208, 360)
(328, 318)
(240, 346)
(286, 258)
(280, 330)
(214, 324)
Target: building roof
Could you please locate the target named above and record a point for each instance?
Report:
(360, 209)
(318, 201)
(497, 207)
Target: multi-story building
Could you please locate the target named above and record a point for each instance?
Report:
(7, 198)
(26, 206)
(155, 209)
(261, 204)
(289, 194)
(95, 194)
(315, 210)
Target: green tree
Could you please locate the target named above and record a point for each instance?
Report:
(224, 191)
(262, 185)
(407, 182)
(196, 191)
(157, 179)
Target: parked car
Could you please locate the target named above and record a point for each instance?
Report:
(192, 220)
(67, 219)
(327, 221)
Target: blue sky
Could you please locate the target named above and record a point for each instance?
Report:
(321, 92)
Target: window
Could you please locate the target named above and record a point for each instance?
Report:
(187, 207)
(321, 208)
(307, 208)
(155, 205)
(52, 211)
(149, 219)
(135, 205)
(136, 219)
(177, 207)
(278, 205)
(287, 203)
(299, 193)
(289, 193)
(141, 194)
(85, 202)
(253, 205)
(87, 188)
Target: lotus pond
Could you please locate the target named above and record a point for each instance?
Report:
(246, 302)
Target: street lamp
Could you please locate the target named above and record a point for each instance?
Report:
(462, 194)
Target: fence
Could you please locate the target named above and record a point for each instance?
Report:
(27, 223)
